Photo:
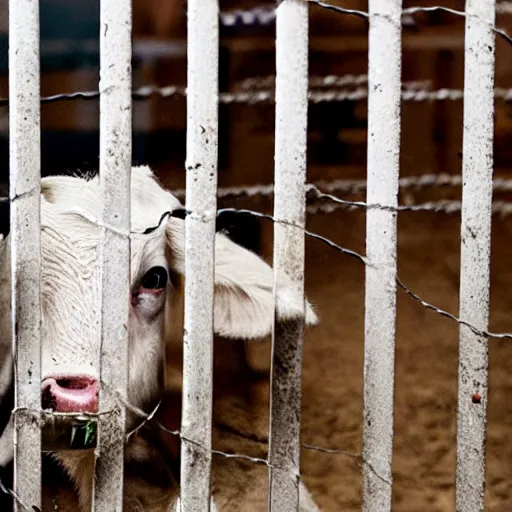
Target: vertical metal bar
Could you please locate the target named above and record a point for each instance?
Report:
(115, 177)
(477, 170)
(384, 83)
(289, 207)
(201, 200)
(25, 194)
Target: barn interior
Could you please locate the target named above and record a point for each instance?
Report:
(428, 240)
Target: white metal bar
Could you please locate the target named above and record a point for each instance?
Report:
(25, 193)
(201, 188)
(115, 174)
(384, 85)
(289, 206)
(477, 168)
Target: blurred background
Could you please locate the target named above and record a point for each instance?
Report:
(429, 242)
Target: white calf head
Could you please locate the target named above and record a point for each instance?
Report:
(71, 287)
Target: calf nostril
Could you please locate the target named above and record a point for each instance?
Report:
(73, 383)
(48, 400)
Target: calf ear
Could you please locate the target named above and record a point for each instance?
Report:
(244, 306)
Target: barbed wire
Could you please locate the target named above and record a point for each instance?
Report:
(316, 81)
(268, 82)
(438, 8)
(411, 11)
(356, 186)
(502, 208)
(267, 96)
(264, 15)
(408, 182)
(448, 206)
(352, 186)
(364, 259)
(441, 206)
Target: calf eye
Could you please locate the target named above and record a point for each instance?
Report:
(155, 279)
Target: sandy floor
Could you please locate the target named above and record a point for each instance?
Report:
(426, 376)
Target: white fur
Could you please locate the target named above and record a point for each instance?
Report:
(71, 280)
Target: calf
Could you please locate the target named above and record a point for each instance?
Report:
(71, 288)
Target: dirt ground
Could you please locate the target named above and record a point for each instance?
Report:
(426, 376)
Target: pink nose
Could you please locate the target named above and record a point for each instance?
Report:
(70, 394)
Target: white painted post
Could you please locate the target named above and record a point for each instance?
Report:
(115, 177)
(201, 164)
(477, 168)
(289, 207)
(384, 96)
(25, 234)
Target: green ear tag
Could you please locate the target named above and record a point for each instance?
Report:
(90, 433)
(83, 435)
(61, 433)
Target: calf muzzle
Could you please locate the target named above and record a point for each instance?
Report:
(70, 394)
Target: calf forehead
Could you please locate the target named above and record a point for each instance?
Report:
(71, 287)
(71, 259)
